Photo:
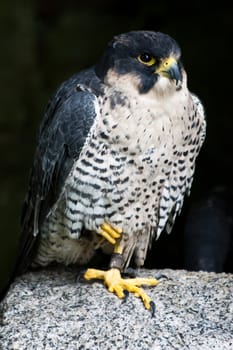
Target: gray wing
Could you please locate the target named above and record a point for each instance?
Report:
(63, 132)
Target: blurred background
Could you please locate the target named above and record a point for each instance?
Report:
(44, 42)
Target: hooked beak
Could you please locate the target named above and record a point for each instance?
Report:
(169, 68)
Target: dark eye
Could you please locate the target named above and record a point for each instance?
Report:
(146, 59)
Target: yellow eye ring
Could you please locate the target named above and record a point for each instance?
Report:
(147, 59)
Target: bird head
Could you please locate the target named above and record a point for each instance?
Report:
(147, 59)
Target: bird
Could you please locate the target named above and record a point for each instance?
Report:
(114, 159)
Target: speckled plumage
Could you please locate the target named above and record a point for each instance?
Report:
(118, 144)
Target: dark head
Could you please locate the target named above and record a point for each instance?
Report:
(145, 55)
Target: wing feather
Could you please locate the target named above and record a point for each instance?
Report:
(62, 135)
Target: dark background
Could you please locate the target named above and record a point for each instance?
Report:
(44, 42)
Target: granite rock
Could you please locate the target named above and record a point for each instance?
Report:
(55, 309)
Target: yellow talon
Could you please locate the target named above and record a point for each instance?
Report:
(118, 249)
(107, 237)
(110, 233)
(116, 284)
(114, 232)
(112, 278)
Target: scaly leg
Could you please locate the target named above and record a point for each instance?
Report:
(112, 278)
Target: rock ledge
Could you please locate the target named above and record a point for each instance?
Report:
(52, 309)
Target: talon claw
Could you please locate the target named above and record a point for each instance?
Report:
(79, 277)
(153, 308)
(129, 272)
(126, 295)
(159, 277)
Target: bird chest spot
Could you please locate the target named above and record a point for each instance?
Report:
(117, 99)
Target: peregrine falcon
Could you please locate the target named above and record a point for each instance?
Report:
(115, 157)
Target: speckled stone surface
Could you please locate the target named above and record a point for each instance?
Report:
(53, 309)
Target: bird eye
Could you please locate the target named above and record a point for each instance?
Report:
(146, 59)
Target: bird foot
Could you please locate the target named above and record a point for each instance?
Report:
(110, 233)
(116, 284)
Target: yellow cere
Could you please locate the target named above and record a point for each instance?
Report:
(166, 64)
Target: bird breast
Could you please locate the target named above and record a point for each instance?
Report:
(127, 158)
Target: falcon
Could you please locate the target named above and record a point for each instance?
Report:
(115, 157)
